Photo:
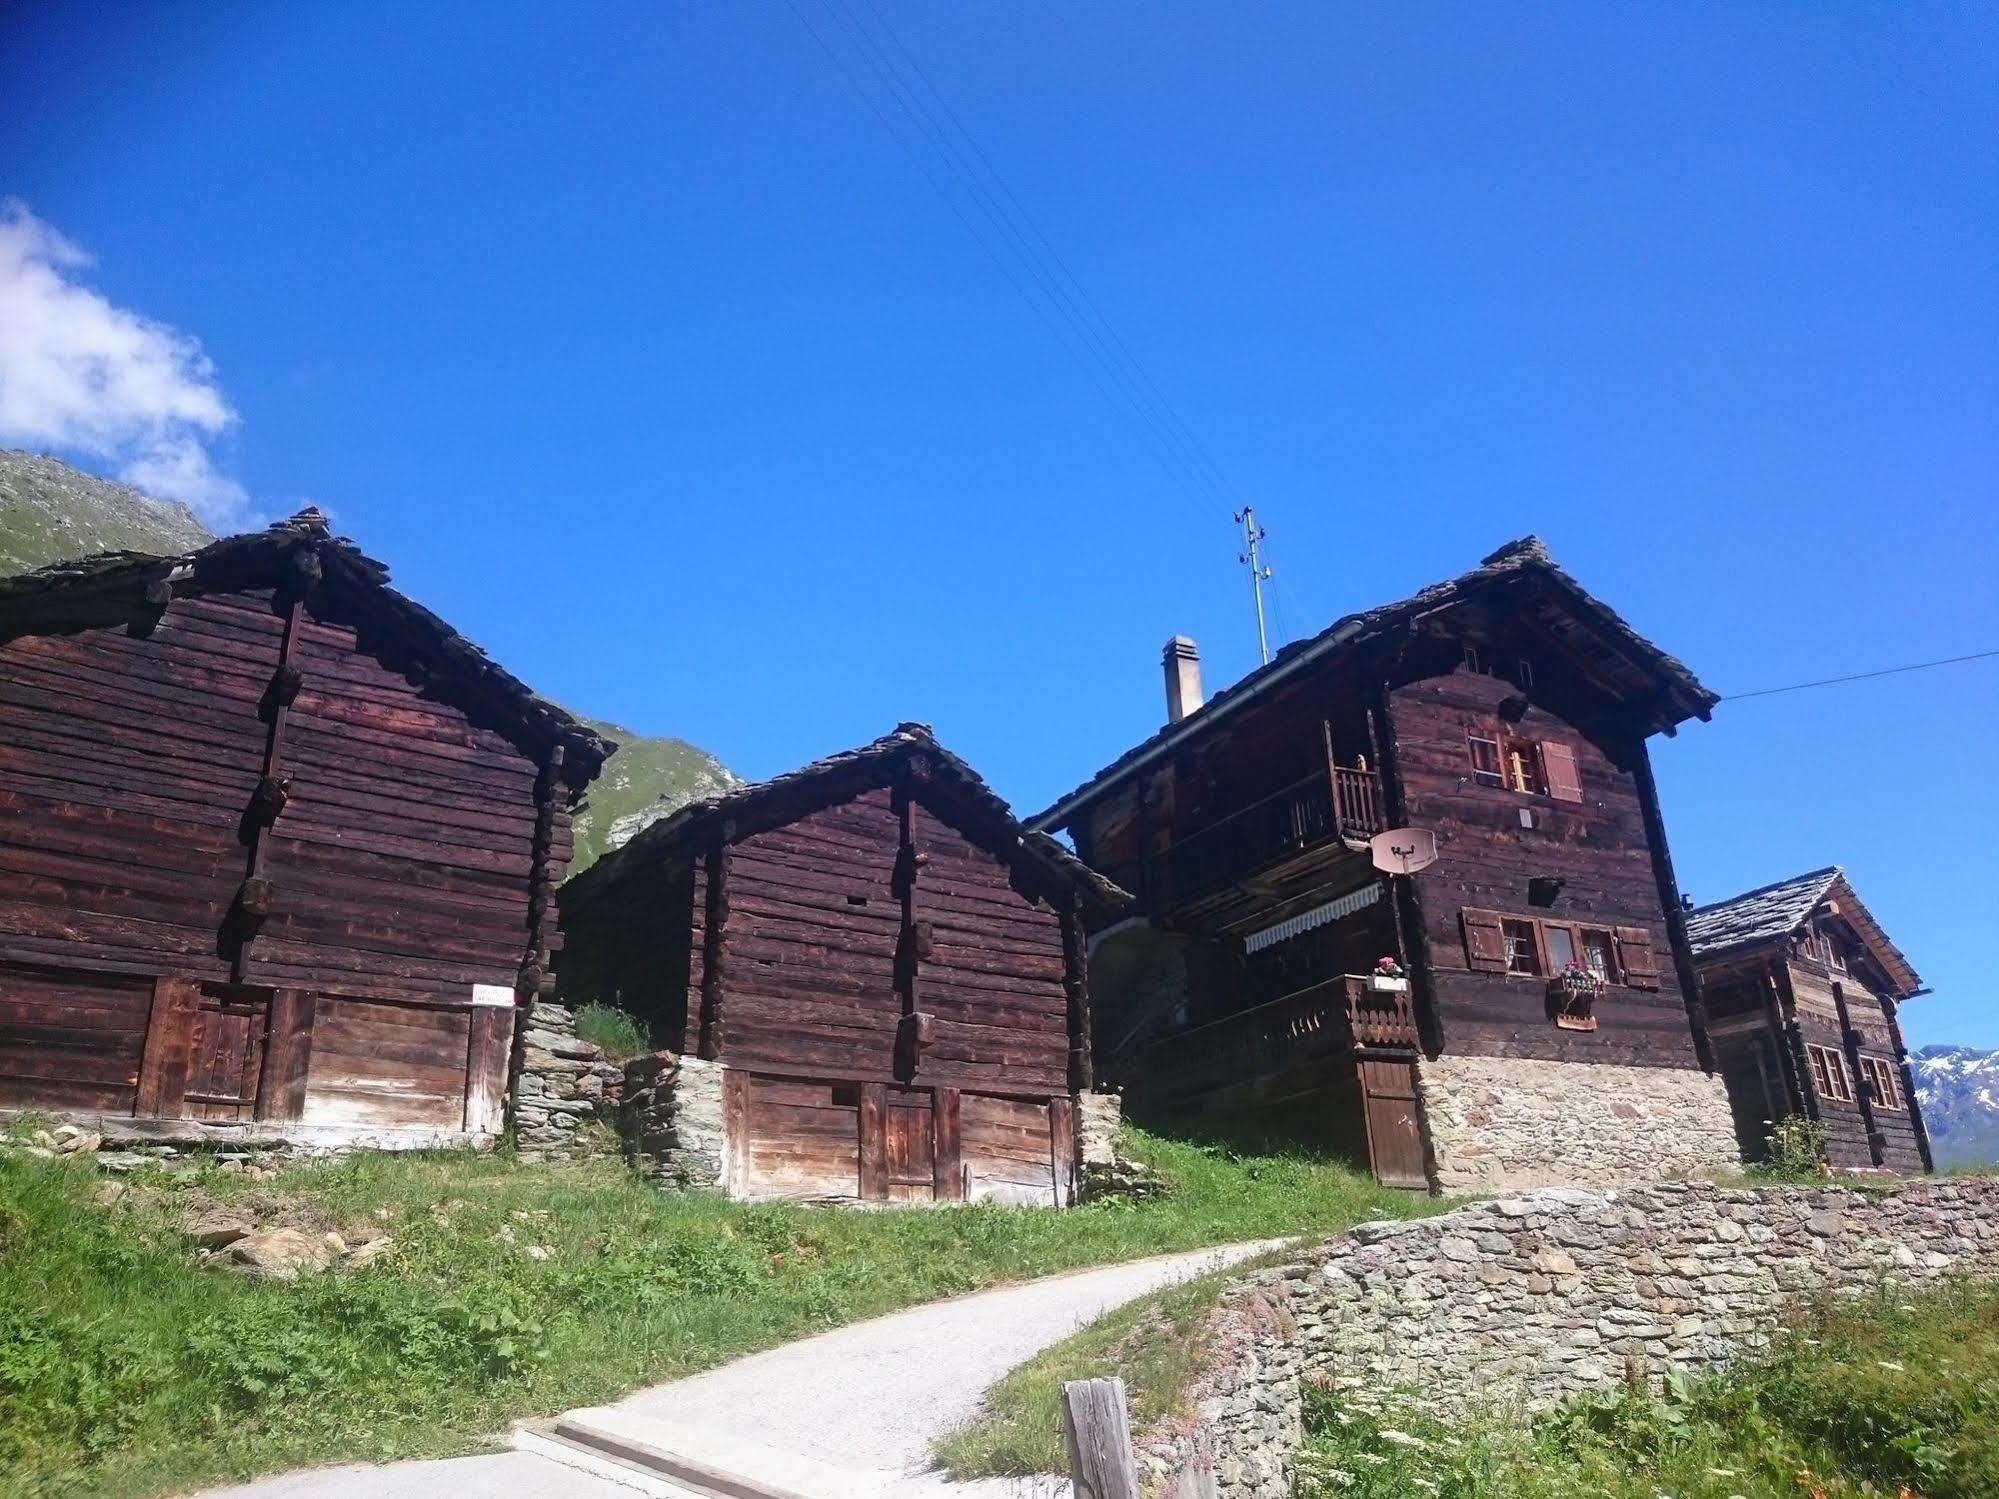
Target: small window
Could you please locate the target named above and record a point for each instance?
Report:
(1522, 954)
(1829, 1071)
(1471, 659)
(1485, 760)
(1600, 955)
(1561, 947)
(1522, 765)
(1835, 955)
(1523, 672)
(1878, 1075)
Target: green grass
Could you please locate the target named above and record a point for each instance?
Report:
(125, 1370)
(619, 1032)
(1153, 1344)
(1896, 1394)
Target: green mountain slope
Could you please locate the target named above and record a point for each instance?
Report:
(50, 512)
(644, 781)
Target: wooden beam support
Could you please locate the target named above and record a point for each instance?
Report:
(1669, 895)
(874, 1142)
(264, 807)
(714, 943)
(1407, 891)
(1076, 989)
(169, 1048)
(947, 1152)
(287, 1056)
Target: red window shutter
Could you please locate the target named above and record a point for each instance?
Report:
(1640, 964)
(1558, 770)
(1485, 941)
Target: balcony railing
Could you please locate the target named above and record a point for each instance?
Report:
(1337, 1015)
(1267, 831)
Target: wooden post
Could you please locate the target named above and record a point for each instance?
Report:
(265, 806)
(287, 1056)
(947, 1149)
(1098, 1430)
(1406, 892)
(169, 1048)
(1692, 996)
(714, 951)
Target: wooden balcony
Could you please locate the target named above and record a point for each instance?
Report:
(1342, 1014)
(1344, 806)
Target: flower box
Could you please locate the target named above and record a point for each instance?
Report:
(1382, 984)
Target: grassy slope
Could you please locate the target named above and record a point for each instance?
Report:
(124, 1370)
(1897, 1394)
(50, 512)
(1152, 1344)
(645, 780)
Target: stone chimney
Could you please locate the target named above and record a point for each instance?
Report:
(1183, 678)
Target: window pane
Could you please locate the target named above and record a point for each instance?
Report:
(1484, 760)
(1561, 947)
(1521, 956)
(1596, 954)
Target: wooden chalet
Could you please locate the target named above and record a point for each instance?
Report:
(277, 846)
(1802, 989)
(888, 969)
(1504, 713)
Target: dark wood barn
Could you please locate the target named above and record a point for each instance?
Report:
(277, 846)
(1803, 990)
(890, 973)
(1505, 714)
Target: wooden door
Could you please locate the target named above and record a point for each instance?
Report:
(908, 1146)
(1393, 1115)
(226, 1061)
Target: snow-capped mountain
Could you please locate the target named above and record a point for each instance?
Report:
(1959, 1090)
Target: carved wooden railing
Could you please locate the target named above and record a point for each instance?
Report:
(1281, 824)
(1326, 1018)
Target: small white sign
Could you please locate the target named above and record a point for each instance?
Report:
(492, 996)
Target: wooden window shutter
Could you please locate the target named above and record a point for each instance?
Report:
(1558, 769)
(1485, 941)
(1640, 964)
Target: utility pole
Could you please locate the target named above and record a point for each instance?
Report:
(1253, 537)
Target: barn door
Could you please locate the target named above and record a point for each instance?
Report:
(226, 1062)
(1393, 1115)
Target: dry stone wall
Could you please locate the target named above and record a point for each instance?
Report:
(562, 1086)
(673, 1119)
(1541, 1296)
(1502, 1124)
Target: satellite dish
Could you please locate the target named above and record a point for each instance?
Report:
(1403, 850)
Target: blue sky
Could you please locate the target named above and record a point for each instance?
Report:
(637, 346)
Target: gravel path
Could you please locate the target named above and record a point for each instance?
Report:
(867, 1403)
(851, 1413)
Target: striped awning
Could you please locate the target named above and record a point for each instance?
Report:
(1318, 916)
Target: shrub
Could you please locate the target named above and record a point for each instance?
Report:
(621, 1033)
(1795, 1147)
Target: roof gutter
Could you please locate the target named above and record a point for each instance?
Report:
(1189, 727)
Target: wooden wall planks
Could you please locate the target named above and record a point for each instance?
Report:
(1598, 848)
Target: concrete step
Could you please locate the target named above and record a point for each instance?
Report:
(701, 1463)
(545, 1442)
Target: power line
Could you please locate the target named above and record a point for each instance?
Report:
(1862, 676)
(1180, 453)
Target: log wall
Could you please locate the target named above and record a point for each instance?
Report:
(1597, 846)
(398, 870)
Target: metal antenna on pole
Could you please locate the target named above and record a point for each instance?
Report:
(1253, 537)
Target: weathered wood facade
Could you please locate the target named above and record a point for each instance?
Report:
(1505, 713)
(890, 972)
(1803, 990)
(277, 847)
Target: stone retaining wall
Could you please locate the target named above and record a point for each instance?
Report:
(672, 1124)
(562, 1086)
(1500, 1124)
(1543, 1296)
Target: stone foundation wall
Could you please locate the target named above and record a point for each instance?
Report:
(1503, 1125)
(672, 1123)
(1543, 1296)
(562, 1086)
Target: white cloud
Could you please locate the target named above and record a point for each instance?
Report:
(80, 375)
